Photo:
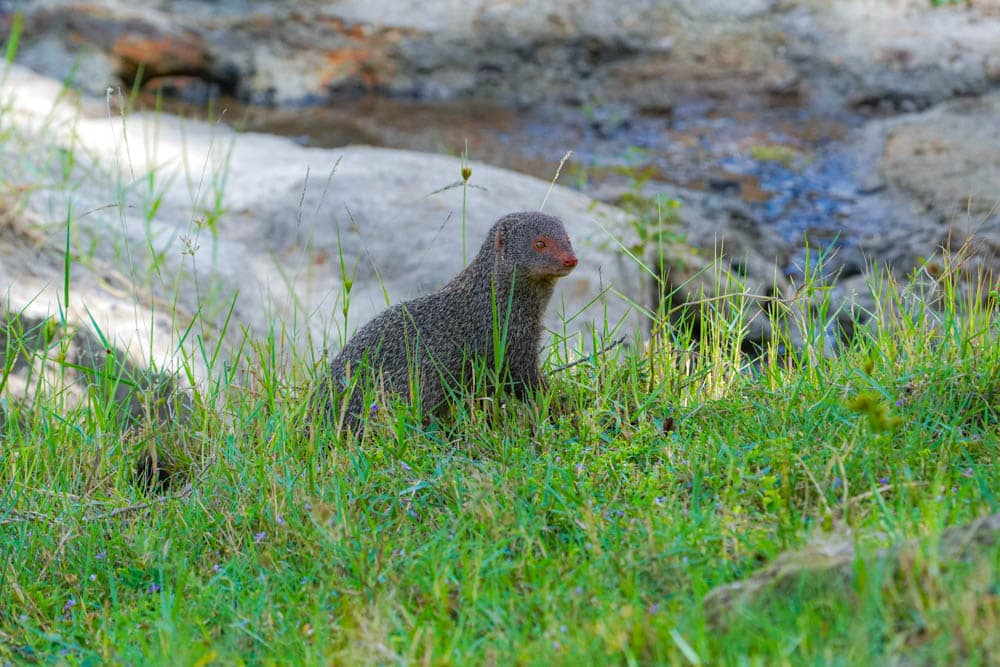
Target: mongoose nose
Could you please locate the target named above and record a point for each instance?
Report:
(570, 261)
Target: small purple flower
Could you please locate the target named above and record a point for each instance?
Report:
(93, 577)
(153, 588)
(373, 409)
(101, 555)
(404, 466)
(899, 402)
(217, 568)
(308, 507)
(579, 468)
(654, 608)
(883, 480)
(660, 500)
(556, 646)
(280, 520)
(70, 603)
(259, 537)
(967, 472)
(837, 482)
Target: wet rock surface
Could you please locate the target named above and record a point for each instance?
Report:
(647, 54)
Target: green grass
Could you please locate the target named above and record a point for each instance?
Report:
(584, 527)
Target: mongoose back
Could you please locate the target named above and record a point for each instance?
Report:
(428, 348)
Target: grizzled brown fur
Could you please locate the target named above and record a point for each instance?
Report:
(438, 339)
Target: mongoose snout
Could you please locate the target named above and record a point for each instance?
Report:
(434, 347)
(557, 254)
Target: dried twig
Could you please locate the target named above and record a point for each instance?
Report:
(591, 357)
(880, 490)
(20, 516)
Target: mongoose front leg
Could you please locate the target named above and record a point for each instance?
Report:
(525, 377)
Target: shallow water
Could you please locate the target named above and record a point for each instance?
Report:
(795, 169)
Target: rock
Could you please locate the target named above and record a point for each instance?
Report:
(112, 42)
(377, 194)
(830, 560)
(948, 159)
(942, 167)
(893, 56)
(713, 226)
(106, 313)
(158, 54)
(210, 214)
(646, 54)
(38, 353)
(188, 89)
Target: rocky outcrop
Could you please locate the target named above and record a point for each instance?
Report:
(648, 54)
(220, 206)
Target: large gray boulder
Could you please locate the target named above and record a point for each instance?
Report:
(195, 217)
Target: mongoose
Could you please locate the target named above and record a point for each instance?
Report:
(438, 340)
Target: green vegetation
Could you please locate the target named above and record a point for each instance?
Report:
(942, 3)
(585, 527)
(783, 155)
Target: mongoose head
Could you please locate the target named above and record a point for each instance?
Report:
(534, 245)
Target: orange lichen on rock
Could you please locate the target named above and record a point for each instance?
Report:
(366, 66)
(161, 54)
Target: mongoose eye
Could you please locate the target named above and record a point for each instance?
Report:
(539, 244)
